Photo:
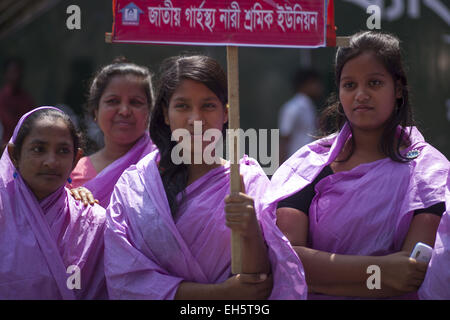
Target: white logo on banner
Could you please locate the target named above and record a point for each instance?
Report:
(131, 14)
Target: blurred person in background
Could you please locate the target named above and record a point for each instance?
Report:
(14, 100)
(297, 119)
(81, 70)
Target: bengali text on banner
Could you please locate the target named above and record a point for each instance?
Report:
(268, 23)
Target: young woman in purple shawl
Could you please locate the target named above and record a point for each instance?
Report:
(168, 230)
(51, 247)
(120, 100)
(436, 285)
(354, 203)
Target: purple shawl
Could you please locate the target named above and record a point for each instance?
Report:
(40, 240)
(148, 253)
(437, 279)
(102, 185)
(367, 210)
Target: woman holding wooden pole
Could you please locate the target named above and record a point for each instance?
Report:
(168, 234)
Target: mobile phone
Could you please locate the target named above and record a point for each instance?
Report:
(422, 252)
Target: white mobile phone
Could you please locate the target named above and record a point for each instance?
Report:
(422, 252)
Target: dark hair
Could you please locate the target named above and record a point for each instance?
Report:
(386, 49)
(302, 76)
(173, 71)
(119, 67)
(28, 125)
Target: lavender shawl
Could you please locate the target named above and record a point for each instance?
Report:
(148, 253)
(40, 240)
(367, 210)
(437, 279)
(102, 185)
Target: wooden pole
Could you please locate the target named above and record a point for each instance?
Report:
(108, 37)
(342, 41)
(233, 124)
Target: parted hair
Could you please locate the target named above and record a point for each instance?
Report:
(386, 48)
(28, 125)
(119, 67)
(173, 71)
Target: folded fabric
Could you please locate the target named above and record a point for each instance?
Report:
(366, 210)
(48, 246)
(148, 252)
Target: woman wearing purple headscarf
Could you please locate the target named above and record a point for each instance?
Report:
(354, 203)
(120, 100)
(437, 279)
(51, 247)
(169, 221)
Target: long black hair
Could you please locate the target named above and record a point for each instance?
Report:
(386, 49)
(173, 71)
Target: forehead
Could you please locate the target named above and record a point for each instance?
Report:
(49, 130)
(191, 88)
(126, 83)
(364, 64)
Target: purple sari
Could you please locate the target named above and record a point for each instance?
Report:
(102, 185)
(437, 279)
(366, 210)
(148, 253)
(40, 240)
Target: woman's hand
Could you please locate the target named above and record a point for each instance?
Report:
(240, 215)
(83, 194)
(248, 287)
(241, 218)
(401, 272)
(238, 287)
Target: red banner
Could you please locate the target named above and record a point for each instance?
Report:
(263, 23)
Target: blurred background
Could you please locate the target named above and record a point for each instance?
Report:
(58, 62)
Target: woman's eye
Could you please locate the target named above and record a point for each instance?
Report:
(37, 149)
(64, 150)
(209, 105)
(112, 101)
(348, 85)
(375, 82)
(181, 106)
(137, 103)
